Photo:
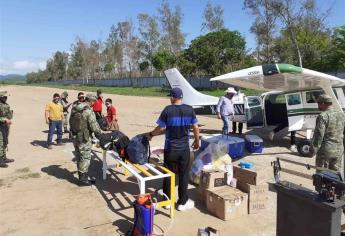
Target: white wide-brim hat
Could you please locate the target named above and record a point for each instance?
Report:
(230, 90)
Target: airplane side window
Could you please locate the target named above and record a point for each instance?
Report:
(294, 99)
(313, 96)
(336, 93)
(253, 102)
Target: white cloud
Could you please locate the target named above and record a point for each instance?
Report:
(21, 67)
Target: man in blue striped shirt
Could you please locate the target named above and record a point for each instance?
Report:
(175, 121)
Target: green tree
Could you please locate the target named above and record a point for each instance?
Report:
(57, 66)
(213, 18)
(336, 52)
(264, 27)
(150, 37)
(173, 39)
(162, 60)
(217, 52)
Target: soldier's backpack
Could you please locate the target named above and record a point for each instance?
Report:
(138, 150)
(103, 123)
(115, 140)
(77, 121)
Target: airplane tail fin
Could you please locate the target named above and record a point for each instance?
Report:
(190, 96)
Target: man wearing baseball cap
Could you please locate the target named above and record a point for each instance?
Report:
(175, 121)
(225, 109)
(328, 136)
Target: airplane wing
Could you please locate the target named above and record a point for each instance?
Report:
(282, 77)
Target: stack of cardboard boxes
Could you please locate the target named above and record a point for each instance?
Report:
(226, 202)
(253, 182)
(221, 200)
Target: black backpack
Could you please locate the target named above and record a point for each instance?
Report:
(115, 140)
(138, 150)
(102, 122)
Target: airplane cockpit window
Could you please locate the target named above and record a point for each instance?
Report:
(294, 99)
(312, 96)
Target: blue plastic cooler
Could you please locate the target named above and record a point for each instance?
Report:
(254, 144)
(236, 145)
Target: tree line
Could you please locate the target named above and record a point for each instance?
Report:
(286, 31)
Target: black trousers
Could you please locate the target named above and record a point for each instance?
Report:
(240, 127)
(177, 161)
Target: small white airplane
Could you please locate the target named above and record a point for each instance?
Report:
(202, 103)
(292, 94)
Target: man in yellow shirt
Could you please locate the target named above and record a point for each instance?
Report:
(54, 118)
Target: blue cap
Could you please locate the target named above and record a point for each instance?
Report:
(176, 93)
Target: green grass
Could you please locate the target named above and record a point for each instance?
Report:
(145, 92)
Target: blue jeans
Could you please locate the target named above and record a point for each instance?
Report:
(226, 124)
(52, 126)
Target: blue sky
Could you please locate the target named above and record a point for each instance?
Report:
(32, 30)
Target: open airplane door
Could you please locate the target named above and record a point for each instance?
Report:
(295, 111)
(253, 112)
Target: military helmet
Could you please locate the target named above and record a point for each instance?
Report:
(324, 98)
(91, 97)
(3, 93)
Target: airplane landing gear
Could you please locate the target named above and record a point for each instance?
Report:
(305, 148)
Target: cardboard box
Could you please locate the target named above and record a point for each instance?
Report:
(210, 179)
(226, 202)
(254, 176)
(257, 196)
(255, 192)
(257, 206)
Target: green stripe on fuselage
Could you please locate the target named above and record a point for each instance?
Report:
(287, 68)
(305, 111)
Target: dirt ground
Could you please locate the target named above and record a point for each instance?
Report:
(39, 195)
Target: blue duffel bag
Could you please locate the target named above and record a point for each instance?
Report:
(138, 150)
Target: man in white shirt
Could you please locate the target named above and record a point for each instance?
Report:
(225, 109)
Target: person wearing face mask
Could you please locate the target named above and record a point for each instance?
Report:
(83, 123)
(80, 98)
(111, 115)
(97, 107)
(54, 118)
(6, 115)
(225, 109)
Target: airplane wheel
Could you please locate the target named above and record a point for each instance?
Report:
(305, 148)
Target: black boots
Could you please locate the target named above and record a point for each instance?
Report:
(7, 160)
(3, 164)
(84, 180)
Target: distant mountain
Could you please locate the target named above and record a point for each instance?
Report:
(12, 77)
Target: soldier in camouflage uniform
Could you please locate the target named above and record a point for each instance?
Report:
(65, 106)
(83, 123)
(328, 135)
(5, 121)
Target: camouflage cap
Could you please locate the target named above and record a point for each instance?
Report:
(65, 94)
(324, 98)
(91, 97)
(3, 93)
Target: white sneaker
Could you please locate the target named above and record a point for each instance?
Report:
(293, 148)
(271, 135)
(167, 207)
(188, 205)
